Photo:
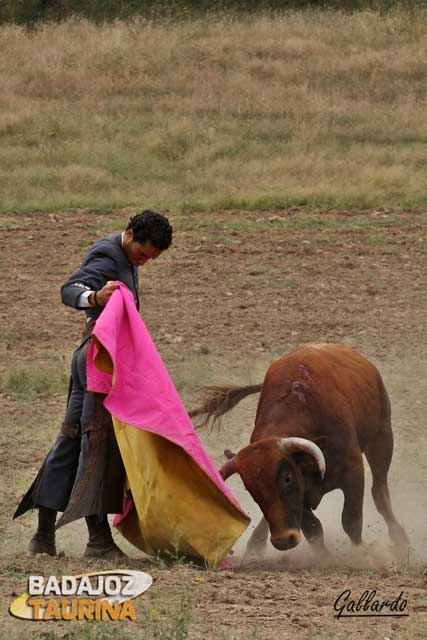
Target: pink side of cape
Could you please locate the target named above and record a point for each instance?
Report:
(143, 394)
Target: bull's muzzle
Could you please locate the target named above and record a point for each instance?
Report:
(287, 540)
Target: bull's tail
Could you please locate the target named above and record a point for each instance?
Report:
(219, 400)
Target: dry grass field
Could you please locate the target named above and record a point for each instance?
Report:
(313, 107)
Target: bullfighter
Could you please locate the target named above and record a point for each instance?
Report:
(83, 474)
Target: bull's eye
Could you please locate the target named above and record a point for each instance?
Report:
(288, 479)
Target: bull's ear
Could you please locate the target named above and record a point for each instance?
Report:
(322, 442)
(306, 463)
(229, 454)
(310, 470)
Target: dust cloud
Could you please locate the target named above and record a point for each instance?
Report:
(405, 382)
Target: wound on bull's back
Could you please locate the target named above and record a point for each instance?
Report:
(299, 390)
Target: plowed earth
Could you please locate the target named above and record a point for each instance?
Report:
(237, 289)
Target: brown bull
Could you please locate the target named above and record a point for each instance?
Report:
(321, 407)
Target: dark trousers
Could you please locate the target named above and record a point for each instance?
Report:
(60, 472)
(80, 406)
(68, 456)
(83, 473)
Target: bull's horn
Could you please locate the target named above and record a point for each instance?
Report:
(229, 454)
(289, 445)
(228, 468)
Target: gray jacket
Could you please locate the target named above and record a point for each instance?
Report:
(104, 261)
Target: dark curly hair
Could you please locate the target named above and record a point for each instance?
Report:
(150, 226)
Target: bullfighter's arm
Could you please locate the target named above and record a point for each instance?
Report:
(94, 273)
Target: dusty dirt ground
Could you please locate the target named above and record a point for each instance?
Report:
(238, 289)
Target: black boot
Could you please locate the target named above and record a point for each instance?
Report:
(43, 540)
(101, 543)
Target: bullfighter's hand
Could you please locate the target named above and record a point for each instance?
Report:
(104, 294)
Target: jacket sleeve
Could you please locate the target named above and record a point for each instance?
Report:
(94, 273)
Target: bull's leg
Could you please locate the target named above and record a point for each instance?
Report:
(258, 540)
(379, 454)
(353, 488)
(396, 532)
(313, 532)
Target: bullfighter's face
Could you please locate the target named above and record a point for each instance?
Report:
(138, 253)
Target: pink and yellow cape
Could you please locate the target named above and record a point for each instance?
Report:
(176, 502)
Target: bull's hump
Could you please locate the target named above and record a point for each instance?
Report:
(322, 357)
(332, 347)
(321, 345)
(320, 373)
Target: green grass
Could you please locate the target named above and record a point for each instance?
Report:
(26, 383)
(175, 627)
(315, 108)
(85, 631)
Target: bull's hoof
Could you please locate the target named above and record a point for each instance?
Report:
(402, 553)
(401, 546)
(322, 556)
(107, 551)
(39, 545)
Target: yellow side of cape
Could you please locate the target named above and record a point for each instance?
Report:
(178, 509)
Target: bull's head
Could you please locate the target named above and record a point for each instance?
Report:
(277, 473)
